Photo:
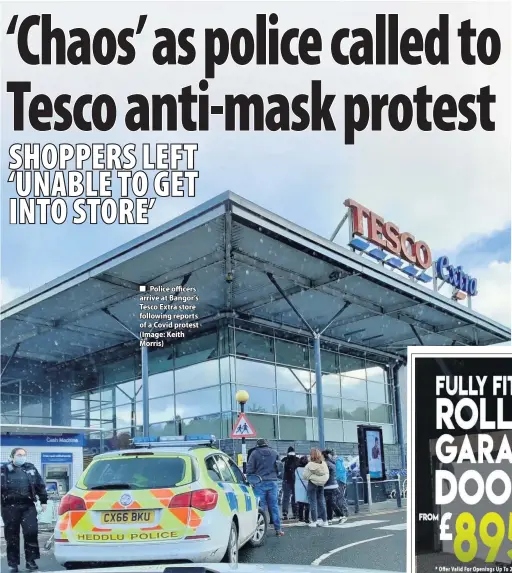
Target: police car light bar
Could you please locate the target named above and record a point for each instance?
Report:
(191, 440)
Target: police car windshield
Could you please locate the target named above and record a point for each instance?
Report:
(137, 473)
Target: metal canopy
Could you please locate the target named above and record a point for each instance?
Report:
(235, 253)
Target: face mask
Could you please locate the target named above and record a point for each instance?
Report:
(19, 460)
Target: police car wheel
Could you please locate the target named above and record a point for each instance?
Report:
(231, 555)
(260, 533)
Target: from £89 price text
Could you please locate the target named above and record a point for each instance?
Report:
(491, 531)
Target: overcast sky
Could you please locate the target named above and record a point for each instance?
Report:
(451, 190)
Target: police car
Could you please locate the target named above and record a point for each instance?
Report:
(164, 500)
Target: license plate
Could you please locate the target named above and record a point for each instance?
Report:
(132, 516)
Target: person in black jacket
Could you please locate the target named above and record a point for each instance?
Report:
(291, 463)
(334, 511)
(21, 486)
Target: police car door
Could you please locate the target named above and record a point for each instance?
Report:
(236, 496)
(251, 507)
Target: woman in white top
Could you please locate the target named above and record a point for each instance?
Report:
(317, 474)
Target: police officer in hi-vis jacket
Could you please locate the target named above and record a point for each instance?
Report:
(21, 486)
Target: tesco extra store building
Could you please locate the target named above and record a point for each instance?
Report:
(277, 305)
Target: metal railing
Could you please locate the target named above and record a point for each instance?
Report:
(395, 493)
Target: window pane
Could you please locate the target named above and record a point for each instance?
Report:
(10, 404)
(107, 397)
(161, 409)
(293, 379)
(265, 426)
(353, 367)
(198, 403)
(201, 425)
(378, 393)
(163, 429)
(227, 393)
(380, 414)
(329, 361)
(239, 477)
(12, 387)
(223, 340)
(138, 413)
(123, 416)
(255, 373)
(375, 373)
(197, 376)
(332, 407)
(388, 434)
(119, 371)
(355, 410)
(161, 384)
(227, 370)
(251, 345)
(196, 350)
(227, 421)
(125, 392)
(333, 430)
(140, 473)
(293, 403)
(35, 406)
(160, 360)
(330, 384)
(293, 428)
(224, 470)
(36, 421)
(350, 432)
(292, 354)
(212, 469)
(353, 388)
(106, 415)
(261, 400)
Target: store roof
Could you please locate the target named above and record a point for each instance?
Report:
(266, 256)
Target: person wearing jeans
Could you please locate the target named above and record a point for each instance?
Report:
(334, 511)
(263, 463)
(316, 473)
(267, 492)
(341, 478)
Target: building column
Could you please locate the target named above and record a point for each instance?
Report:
(61, 392)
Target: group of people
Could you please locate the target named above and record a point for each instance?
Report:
(315, 487)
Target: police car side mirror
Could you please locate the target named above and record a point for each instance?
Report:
(254, 480)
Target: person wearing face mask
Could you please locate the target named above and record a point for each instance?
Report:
(21, 486)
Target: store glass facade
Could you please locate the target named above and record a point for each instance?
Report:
(26, 402)
(192, 387)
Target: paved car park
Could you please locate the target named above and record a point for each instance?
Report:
(376, 541)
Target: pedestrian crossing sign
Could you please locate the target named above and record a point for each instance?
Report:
(243, 428)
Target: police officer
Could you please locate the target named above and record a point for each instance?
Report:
(21, 485)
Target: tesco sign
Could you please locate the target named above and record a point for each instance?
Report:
(456, 276)
(388, 236)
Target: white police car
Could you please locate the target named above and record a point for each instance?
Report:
(164, 500)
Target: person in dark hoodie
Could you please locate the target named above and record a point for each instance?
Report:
(264, 464)
(21, 486)
(291, 462)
